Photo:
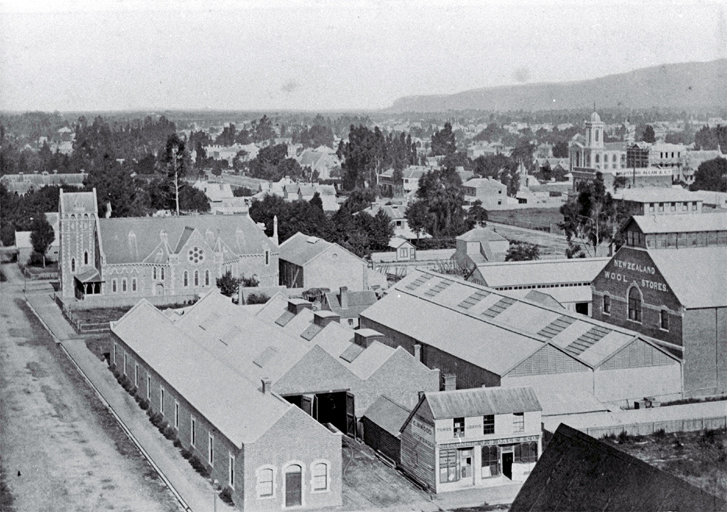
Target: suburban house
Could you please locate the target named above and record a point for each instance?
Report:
(467, 438)
(397, 214)
(479, 245)
(221, 198)
(490, 192)
(322, 162)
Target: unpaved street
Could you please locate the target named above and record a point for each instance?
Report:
(60, 449)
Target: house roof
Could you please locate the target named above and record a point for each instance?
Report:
(215, 192)
(680, 223)
(300, 249)
(481, 401)
(358, 301)
(238, 233)
(501, 329)
(578, 472)
(481, 235)
(655, 194)
(522, 273)
(704, 285)
(77, 202)
(387, 414)
(242, 413)
(484, 183)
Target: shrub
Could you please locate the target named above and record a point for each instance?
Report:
(177, 443)
(156, 418)
(660, 434)
(187, 454)
(199, 466)
(257, 298)
(623, 437)
(112, 367)
(170, 433)
(226, 496)
(144, 404)
(162, 427)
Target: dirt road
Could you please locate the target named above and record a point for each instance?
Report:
(60, 449)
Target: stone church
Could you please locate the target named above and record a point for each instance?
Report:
(156, 256)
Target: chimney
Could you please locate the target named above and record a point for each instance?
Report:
(365, 337)
(418, 352)
(323, 318)
(108, 210)
(450, 382)
(267, 385)
(275, 230)
(295, 306)
(163, 236)
(343, 297)
(132, 245)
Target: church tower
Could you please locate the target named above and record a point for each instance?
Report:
(78, 244)
(594, 132)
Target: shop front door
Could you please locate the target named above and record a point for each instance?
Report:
(466, 461)
(507, 464)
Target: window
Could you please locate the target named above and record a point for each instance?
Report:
(265, 483)
(661, 207)
(526, 452)
(124, 362)
(154, 273)
(694, 207)
(596, 135)
(630, 238)
(404, 252)
(85, 257)
(651, 207)
(148, 386)
(664, 319)
(162, 271)
(231, 471)
(176, 415)
(685, 207)
(518, 422)
(196, 255)
(320, 477)
(211, 449)
(114, 285)
(606, 304)
(488, 424)
(458, 427)
(192, 431)
(448, 466)
(133, 284)
(490, 461)
(196, 278)
(123, 285)
(186, 278)
(206, 277)
(136, 375)
(673, 207)
(73, 264)
(634, 304)
(267, 257)
(161, 399)
(598, 157)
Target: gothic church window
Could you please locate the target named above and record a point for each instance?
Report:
(196, 255)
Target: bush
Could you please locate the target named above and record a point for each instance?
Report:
(623, 437)
(226, 496)
(199, 466)
(177, 443)
(144, 404)
(187, 454)
(256, 298)
(660, 434)
(156, 418)
(112, 367)
(170, 433)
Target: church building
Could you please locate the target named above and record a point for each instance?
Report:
(156, 256)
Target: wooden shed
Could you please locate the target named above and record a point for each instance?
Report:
(382, 422)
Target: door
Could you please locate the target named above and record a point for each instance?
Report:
(293, 486)
(306, 403)
(159, 289)
(582, 308)
(507, 464)
(350, 415)
(466, 475)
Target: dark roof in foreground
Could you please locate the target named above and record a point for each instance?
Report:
(387, 414)
(578, 472)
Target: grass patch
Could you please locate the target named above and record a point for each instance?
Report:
(100, 315)
(527, 217)
(99, 346)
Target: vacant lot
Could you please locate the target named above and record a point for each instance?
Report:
(61, 449)
(100, 315)
(700, 458)
(527, 218)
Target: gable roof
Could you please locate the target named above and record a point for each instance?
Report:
(300, 249)
(522, 273)
(704, 285)
(578, 472)
(481, 402)
(387, 414)
(680, 223)
(655, 194)
(481, 235)
(357, 302)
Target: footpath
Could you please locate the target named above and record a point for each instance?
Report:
(190, 486)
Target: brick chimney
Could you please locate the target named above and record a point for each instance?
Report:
(343, 297)
(450, 382)
(295, 306)
(418, 352)
(365, 337)
(267, 385)
(324, 318)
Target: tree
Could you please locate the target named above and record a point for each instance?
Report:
(522, 251)
(381, 231)
(41, 236)
(443, 141)
(476, 216)
(560, 150)
(418, 218)
(316, 201)
(227, 284)
(192, 199)
(711, 175)
(176, 160)
(649, 135)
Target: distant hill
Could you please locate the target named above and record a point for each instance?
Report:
(688, 85)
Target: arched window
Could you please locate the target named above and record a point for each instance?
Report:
(162, 270)
(196, 277)
(320, 477)
(206, 277)
(635, 304)
(265, 483)
(85, 257)
(73, 264)
(186, 278)
(596, 135)
(293, 485)
(154, 273)
(267, 257)
(598, 158)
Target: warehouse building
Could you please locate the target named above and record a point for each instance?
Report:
(658, 201)
(669, 283)
(482, 337)
(484, 437)
(269, 453)
(567, 281)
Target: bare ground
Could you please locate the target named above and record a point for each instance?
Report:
(61, 449)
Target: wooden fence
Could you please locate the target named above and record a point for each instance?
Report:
(668, 426)
(78, 325)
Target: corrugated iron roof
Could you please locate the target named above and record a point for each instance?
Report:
(466, 403)
(681, 223)
(387, 414)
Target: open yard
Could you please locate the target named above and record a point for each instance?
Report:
(531, 218)
(100, 315)
(61, 448)
(700, 458)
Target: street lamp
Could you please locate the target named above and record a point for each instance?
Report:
(215, 489)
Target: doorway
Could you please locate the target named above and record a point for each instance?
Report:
(159, 289)
(507, 459)
(466, 459)
(582, 308)
(293, 486)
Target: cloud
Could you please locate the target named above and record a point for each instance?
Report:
(522, 74)
(290, 86)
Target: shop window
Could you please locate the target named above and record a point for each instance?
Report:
(634, 305)
(448, 466)
(320, 477)
(664, 320)
(518, 422)
(490, 461)
(488, 424)
(265, 483)
(458, 427)
(606, 304)
(526, 452)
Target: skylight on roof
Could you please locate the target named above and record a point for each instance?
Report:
(473, 299)
(286, 317)
(416, 283)
(557, 326)
(312, 239)
(265, 356)
(352, 352)
(498, 307)
(587, 340)
(434, 290)
(230, 335)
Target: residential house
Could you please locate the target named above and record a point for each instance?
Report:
(479, 245)
(491, 193)
(21, 183)
(348, 305)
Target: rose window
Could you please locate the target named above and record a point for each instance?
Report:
(196, 255)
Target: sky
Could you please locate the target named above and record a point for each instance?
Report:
(323, 55)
